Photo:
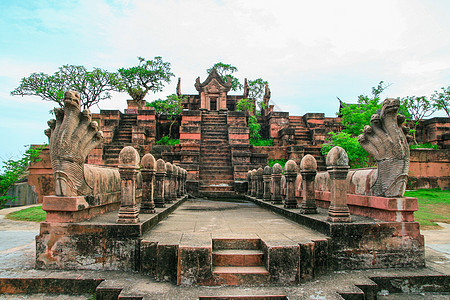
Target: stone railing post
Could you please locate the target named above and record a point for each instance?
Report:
(160, 183)
(308, 170)
(249, 181)
(168, 183)
(254, 184)
(277, 172)
(267, 176)
(148, 170)
(128, 169)
(174, 182)
(179, 176)
(290, 171)
(337, 166)
(260, 183)
(183, 182)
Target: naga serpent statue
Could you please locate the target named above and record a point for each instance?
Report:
(71, 137)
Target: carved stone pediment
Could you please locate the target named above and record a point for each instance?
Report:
(213, 84)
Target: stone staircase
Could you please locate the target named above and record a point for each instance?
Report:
(215, 170)
(239, 262)
(303, 138)
(122, 137)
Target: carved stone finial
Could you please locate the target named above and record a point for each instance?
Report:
(337, 157)
(277, 169)
(148, 162)
(160, 166)
(308, 163)
(128, 157)
(179, 86)
(386, 141)
(290, 166)
(246, 89)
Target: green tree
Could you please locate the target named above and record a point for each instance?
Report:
(148, 75)
(171, 107)
(354, 118)
(13, 170)
(248, 106)
(225, 71)
(93, 86)
(418, 108)
(441, 100)
(256, 89)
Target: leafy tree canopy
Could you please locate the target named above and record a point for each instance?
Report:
(418, 108)
(148, 75)
(226, 72)
(171, 107)
(441, 100)
(93, 86)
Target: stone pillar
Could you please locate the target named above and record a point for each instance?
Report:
(337, 166)
(249, 181)
(267, 177)
(308, 170)
(180, 175)
(128, 169)
(174, 182)
(184, 181)
(254, 183)
(260, 183)
(168, 183)
(148, 170)
(290, 171)
(160, 183)
(277, 172)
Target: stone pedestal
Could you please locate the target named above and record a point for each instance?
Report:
(168, 184)
(148, 171)
(159, 183)
(290, 170)
(277, 171)
(249, 181)
(260, 183)
(174, 183)
(337, 165)
(128, 169)
(254, 183)
(308, 170)
(267, 178)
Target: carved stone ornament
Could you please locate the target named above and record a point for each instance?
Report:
(386, 141)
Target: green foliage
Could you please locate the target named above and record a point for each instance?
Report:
(424, 146)
(262, 142)
(13, 170)
(225, 71)
(93, 86)
(254, 128)
(247, 105)
(357, 156)
(418, 108)
(166, 140)
(433, 206)
(256, 90)
(170, 107)
(356, 116)
(31, 214)
(148, 75)
(441, 100)
(272, 162)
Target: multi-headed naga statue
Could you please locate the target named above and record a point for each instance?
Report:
(385, 140)
(71, 137)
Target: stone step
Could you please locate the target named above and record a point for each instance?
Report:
(216, 188)
(238, 258)
(236, 244)
(241, 275)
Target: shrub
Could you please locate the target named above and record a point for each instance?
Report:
(426, 146)
(166, 140)
(262, 142)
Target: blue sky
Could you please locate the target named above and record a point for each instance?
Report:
(309, 51)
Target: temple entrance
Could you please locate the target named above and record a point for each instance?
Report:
(213, 103)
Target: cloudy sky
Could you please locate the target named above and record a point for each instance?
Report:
(309, 51)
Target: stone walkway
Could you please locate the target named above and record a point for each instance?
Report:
(231, 219)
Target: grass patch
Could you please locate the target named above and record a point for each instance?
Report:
(434, 206)
(32, 214)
